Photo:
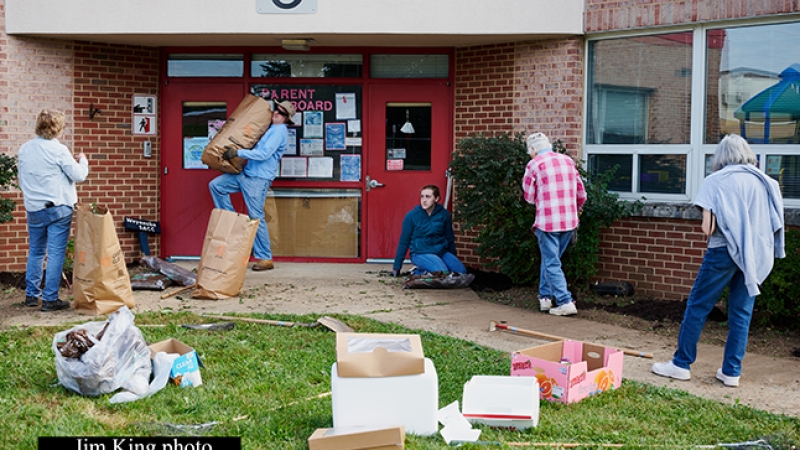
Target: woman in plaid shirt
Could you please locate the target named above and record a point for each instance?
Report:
(552, 184)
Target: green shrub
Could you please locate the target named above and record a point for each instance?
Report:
(488, 173)
(8, 174)
(779, 302)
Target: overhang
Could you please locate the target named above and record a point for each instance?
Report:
(334, 23)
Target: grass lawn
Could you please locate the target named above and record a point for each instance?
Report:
(264, 384)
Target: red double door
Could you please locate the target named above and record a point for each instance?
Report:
(397, 163)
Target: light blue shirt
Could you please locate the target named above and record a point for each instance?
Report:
(749, 209)
(264, 158)
(47, 172)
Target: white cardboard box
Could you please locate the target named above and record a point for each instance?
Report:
(500, 401)
(408, 400)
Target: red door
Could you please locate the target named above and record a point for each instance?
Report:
(186, 204)
(410, 144)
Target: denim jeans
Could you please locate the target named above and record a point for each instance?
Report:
(432, 263)
(254, 190)
(552, 282)
(48, 233)
(716, 272)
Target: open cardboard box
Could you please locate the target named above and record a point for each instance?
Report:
(502, 402)
(569, 371)
(367, 355)
(358, 438)
(185, 370)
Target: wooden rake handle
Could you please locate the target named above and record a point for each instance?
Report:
(177, 291)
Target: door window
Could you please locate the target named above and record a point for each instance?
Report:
(201, 121)
(201, 65)
(408, 136)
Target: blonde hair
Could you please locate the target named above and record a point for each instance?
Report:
(49, 123)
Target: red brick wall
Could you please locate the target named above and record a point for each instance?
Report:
(40, 73)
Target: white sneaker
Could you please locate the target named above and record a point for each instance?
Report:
(669, 370)
(545, 304)
(726, 380)
(567, 309)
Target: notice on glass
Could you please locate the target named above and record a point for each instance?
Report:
(193, 152)
(351, 167)
(394, 164)
(352, 142)
(311, 147)
(213, 127)
(354, 126)
(345, 106)
(320, 167)
(334, 136)
(293, 167)
(312, 124)
(291, 142)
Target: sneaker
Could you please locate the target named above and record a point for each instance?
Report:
(726, 380)
(567, 309)
(31, 301)
(55, 305)
(545, 304)
(669, 370)
(263, 264)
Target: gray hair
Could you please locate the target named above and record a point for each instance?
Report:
(536, 142)
(732, 149)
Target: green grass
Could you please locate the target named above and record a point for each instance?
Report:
(261, 383)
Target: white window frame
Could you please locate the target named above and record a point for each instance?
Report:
(696, 150)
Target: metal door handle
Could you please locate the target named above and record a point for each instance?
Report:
(372, 184)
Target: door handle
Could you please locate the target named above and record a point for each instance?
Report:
(372, 184)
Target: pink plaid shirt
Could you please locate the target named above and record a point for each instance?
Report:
(552, 183)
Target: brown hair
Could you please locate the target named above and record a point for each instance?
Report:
(49, 123)
(433, 188)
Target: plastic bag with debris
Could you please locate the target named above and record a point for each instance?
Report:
(103, 356)
(438, 280)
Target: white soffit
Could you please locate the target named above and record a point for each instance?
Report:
(440, 23)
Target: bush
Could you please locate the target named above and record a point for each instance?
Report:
(488, 175)
(778, 304)
(8, 174)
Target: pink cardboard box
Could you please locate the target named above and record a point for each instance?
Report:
(569, 371)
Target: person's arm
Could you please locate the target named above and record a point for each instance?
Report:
(403, 243)
(264, 148)
(581, 195)
(77, 171)
(709, 223)
(529, 183)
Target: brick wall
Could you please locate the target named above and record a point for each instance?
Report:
(40, 73)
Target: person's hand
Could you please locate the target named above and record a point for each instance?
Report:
(80, 156)
(395, 273)
(230, 154)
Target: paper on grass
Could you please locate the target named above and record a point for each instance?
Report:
(456, 426)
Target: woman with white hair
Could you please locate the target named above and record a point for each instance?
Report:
(743, 219)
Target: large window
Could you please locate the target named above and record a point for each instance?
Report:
(657, 105)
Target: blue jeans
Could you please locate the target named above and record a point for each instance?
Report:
(254, 190)
(552, 282)
(432, 263)
(716, 272)
(48, 233)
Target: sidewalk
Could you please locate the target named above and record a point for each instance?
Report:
(767, 383)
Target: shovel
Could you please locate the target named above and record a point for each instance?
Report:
(326, 321)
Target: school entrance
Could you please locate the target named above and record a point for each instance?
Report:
(362, 147)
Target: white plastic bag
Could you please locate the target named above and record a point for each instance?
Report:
(121, 359)
(162, 365)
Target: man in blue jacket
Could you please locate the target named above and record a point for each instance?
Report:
(254, 181)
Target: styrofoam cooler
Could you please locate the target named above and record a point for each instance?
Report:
(410, 400)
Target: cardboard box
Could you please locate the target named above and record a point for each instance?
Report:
(408, 400)
(186, 367)
(379, 355)
(504, 402)
(358, 438)
(569, 371)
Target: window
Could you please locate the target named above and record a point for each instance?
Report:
(306, 66)
(657, 117)
(202, 65)
(409, 66)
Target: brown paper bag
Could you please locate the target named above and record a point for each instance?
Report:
(100, 279)
(245, 126)
(226, 251)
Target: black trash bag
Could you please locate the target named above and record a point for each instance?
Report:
(618, 288)
(150, 281)
(438, 280)
(174, 272)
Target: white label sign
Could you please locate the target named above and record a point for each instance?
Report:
(144, 115)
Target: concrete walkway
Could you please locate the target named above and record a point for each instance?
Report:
(767, 383)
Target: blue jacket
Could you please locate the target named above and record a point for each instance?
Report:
(426, 234)
(264, 158)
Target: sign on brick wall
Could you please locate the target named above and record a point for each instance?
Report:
(144, 115)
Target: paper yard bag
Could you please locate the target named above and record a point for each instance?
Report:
(226, 251)
(248, 122)
(101, 283)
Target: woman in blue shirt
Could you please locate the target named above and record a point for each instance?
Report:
(428, 234)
